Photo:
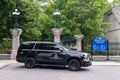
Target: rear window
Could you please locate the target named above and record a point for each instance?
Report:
(27, 46)
(46, 46)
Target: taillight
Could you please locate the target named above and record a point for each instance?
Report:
(17, 52)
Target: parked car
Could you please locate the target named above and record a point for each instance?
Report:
(51, 54)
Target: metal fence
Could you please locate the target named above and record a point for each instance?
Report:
(114, 48)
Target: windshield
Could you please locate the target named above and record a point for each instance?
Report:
(65, 47)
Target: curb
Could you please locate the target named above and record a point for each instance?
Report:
(5, 63)
(105, 63)
(3, 66)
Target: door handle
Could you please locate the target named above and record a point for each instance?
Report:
(52, 55)
(21, 52)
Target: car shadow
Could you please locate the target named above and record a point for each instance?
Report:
(53, 68)
(61, 68)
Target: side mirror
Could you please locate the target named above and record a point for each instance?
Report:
(73, 48)
(61, 50)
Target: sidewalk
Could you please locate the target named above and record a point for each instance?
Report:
(105, 63)
(4, 63)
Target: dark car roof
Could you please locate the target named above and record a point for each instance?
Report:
(44, 42)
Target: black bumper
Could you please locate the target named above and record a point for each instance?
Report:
(86, 63)
(20, 59)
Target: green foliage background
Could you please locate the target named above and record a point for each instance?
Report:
(77, 17)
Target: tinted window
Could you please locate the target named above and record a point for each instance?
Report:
(53, 47)
(46, 46)
(27, 46)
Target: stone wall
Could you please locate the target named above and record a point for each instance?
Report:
(4, 56)
(103, 58)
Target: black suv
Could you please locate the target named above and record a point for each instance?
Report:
(51, 54)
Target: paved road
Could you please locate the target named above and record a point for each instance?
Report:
(17, 71)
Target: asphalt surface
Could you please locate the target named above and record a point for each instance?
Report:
(17, 71)
(4, 63)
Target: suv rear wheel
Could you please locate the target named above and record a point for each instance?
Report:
(74, 65)
(30, 63)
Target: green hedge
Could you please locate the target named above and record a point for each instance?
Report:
(5, 46)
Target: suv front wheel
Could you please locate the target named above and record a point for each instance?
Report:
(74, 65)
(30, 63)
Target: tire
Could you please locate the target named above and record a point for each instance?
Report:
(30, 63)
(74, 65)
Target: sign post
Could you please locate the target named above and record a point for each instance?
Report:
(100, 43)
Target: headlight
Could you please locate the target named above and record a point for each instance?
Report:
(86, 56)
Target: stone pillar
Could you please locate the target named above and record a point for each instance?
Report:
(57, 33)
(15, 41)
(78, 42)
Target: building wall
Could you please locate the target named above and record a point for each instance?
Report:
(113, 31)
(113, 36)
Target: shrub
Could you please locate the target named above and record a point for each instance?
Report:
(5, 45)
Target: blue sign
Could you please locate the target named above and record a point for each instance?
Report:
(99, 43)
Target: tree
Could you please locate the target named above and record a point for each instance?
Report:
(115, 3)
(29, 19)
(77, 17)
(6, 8)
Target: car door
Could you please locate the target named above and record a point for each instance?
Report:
(49, 54)
(57, 56)
(43, 53)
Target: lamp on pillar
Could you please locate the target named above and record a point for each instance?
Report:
(16, 32)
(57, 15)
(16, 13)
(56, 31)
